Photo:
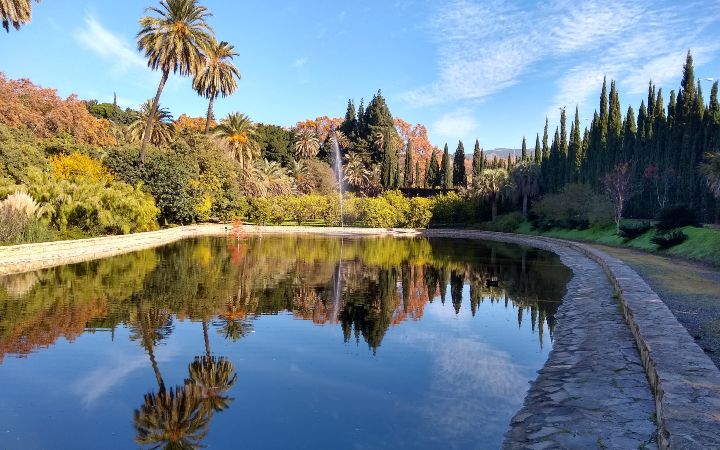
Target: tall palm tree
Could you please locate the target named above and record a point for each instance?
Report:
(493, 185)
(173, 41)
(526, 176)
(307, 144)
(218, 77)
(15, 13)
(162, 129)
(238, 131)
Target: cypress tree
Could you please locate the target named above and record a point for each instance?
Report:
(562, 163)
(459, 177)
(360, 130)
(408, 169)
(477, 164)
(389, 163)
(545, 148)
(614, 143)
(523, 151)
(349, 125)
(574, 150)
(446, 170)
(538, 150)
(417, 174)
(602, 132)
(629, 133)
(582, 173)
(433, 171)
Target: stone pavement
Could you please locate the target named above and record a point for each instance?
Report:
(592, 392)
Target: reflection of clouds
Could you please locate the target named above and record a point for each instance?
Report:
(99, 381)
(475, 388)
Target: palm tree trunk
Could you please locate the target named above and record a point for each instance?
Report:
(207, 338)
(148, 344)
(209, 114)
(525, 203)
(149, 124)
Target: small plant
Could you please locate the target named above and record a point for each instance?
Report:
(630, 231)
(669, 239)
(676, 216)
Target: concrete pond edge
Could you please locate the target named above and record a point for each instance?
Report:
(684, 381)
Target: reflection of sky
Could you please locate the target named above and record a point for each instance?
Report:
(445, 381)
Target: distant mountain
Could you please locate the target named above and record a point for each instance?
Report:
(499, 152)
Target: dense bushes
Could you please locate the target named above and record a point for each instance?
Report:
(676, 216)
(91, 206)
(576, 206)
(632, 230)
(668, 239)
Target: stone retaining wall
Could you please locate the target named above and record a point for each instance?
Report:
(686, 383)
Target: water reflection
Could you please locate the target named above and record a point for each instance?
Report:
(362, 288)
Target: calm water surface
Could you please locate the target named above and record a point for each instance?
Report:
(277, 342)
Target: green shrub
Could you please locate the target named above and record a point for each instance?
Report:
(377, 213)
(634, 229)
(505, 223)
(167, 176)
(676, 216)
(452, 208)
(264, 210)
(419, 213)
(576, 206)
(669, 238)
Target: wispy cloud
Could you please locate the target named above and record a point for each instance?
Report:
(108, 45)
(485, 47)
(299, 62)
(454, 124)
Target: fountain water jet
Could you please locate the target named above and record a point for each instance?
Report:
(338, 172)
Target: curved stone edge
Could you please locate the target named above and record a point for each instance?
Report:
(685, 382)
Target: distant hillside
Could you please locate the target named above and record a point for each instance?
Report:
(499, 152)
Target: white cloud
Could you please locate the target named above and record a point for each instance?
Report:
(109, 46)
(300, 62)
(485, 47)
(454, 124)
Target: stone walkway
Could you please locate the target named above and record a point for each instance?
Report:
(593, 392)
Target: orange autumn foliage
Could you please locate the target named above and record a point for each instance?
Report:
(40, 110)
(417, 135)
(192, 123)
(320, 126)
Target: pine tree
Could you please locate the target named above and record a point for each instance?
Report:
(477, 163)
(360, 129)
(523, 150)
(408, 169)
(459, 177)
(538, 150)
(446, 170)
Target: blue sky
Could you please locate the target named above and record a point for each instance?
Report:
(466, 69)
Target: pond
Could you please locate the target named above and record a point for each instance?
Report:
(277, 342)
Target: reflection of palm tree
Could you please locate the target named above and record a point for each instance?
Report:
(213, 376)
(172, 419)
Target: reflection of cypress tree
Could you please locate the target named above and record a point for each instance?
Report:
(430, 278)
(443, 275)
(475, 298)
(406, 278)
(457, 279)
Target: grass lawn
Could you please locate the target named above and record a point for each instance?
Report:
(702, 244)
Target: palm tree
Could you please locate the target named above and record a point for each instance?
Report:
(174, 41)
(214, 376)
(526, 176)
(268, 178)
(239, 133)
(493, 185)
(15, 13)
(356, 172)
(300, 172)
(162, 128)
(307, 144)
(218, 77)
